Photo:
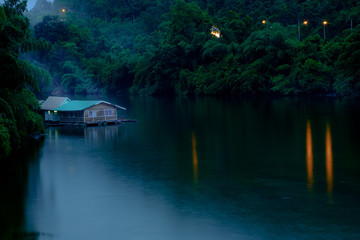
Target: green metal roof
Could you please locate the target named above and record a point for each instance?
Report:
(77, 105)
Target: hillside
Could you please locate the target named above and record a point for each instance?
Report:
(165, 47)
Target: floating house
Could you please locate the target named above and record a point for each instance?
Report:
(49, 105)
(89, 112)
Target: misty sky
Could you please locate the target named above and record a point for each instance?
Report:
(30, 3)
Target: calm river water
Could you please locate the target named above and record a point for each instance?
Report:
(199, 168)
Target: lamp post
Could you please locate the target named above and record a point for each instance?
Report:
(299, 35)
(324, 24)
(265, 22)
(305, 22)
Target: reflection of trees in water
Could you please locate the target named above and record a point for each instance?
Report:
(13, 184)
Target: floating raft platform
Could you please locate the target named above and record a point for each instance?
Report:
(99, 123)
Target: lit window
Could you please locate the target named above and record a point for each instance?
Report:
(55, 112)
(49, 112)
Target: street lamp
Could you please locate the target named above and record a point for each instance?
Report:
(305, 22)
(324, 24)
(264, 22)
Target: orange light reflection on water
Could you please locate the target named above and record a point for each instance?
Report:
(329, 160)
(194, 158)
(309, 157)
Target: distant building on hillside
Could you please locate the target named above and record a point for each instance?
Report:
(215, 31)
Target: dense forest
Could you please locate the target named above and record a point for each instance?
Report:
(155, 47)
(19, 107)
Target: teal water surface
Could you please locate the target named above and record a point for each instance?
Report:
(202, 168)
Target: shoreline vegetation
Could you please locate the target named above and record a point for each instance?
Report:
(162, 47)
(19, 107)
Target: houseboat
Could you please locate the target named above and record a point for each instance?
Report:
(64, 111)
(89, 112)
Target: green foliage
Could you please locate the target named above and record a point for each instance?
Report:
(165, 47)
(186, 20)
(52, 29)
(2, 18)
(9, 134)
(4, 139)
(348, 63)
(18, 106)
(313, 76)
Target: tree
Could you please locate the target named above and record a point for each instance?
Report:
(52, 29)
(348, 64)
(18, 105)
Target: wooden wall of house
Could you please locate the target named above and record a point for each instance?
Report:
(100, 113)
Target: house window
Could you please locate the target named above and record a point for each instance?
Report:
(90, 113)
(108, 112)
(55, 112)
(49, 112)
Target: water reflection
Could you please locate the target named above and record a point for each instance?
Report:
(195, 158)
(53, 134)
(13, 186)
(97, 135)
(329, 160)
(56, 134)
(130, 181)
(309, 157)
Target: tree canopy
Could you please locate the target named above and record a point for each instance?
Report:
(19, 78)
(165, 47)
